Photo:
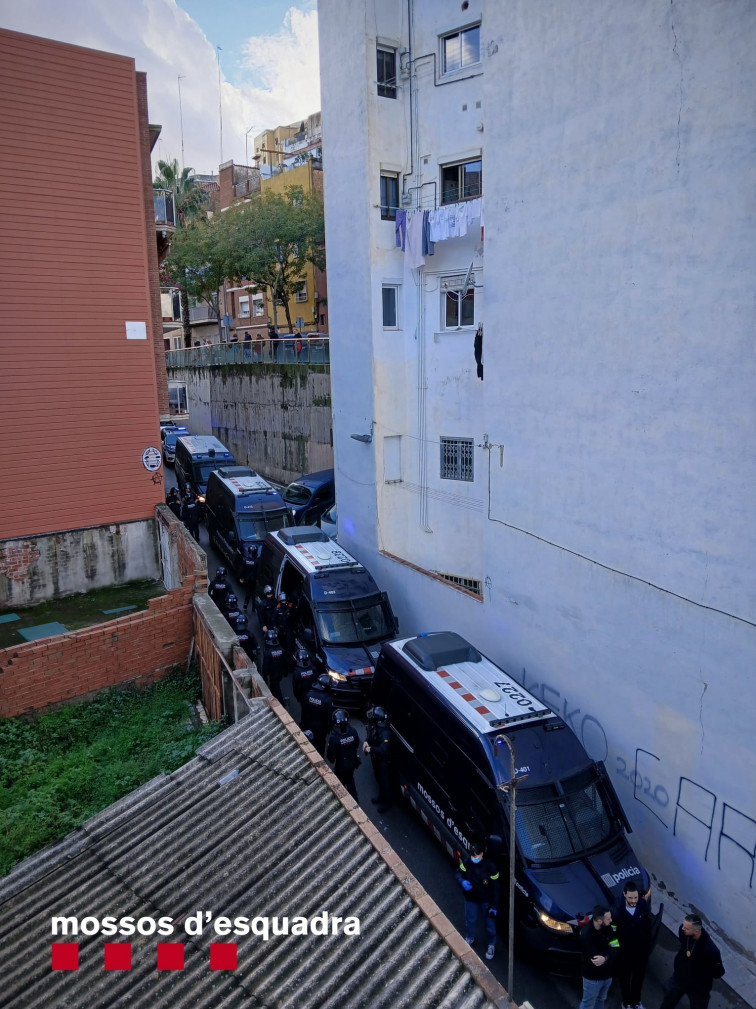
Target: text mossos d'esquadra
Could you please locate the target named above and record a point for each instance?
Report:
(195, 924)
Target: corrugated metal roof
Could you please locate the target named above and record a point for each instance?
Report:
(274, 840)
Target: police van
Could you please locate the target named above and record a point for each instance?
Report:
(241, 508)
(341, 616)
(197, 455)
(449, 707)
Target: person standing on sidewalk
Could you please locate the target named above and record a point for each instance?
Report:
(479, 878)
(599, 946)
(634, 921)
(697, 964)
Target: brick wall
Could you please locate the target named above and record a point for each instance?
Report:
(138, 648)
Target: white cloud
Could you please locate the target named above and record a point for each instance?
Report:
(282, 69)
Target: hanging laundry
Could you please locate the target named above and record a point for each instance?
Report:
(414, 246)
(400, 229)
(478, 350)
(428, 249)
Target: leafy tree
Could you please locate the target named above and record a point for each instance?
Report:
(272, 237)
(190, 202)
(198, 261)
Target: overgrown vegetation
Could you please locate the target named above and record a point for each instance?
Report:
(65, 766)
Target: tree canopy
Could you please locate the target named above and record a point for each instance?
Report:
(190, 198)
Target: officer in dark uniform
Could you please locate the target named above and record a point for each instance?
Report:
(190, 514)
(232, 610)
(479, 878)
(247, 579)
(378, 745)
(242, 632)
(218, 589)
(266, 609)
(283, 620)
(317, 709)
(174, 502)
(303, 676)
(274, 663)
(344, 751)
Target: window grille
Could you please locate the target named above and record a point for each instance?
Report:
(473, 585)
(457, 459)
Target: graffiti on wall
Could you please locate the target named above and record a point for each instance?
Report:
(698, 818)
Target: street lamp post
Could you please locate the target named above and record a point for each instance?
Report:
(511, 787)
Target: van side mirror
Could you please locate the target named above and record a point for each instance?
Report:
(494, 846)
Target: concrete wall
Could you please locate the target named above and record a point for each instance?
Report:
(137, 648)
(275, 418)
(76, 560)
(610, 518)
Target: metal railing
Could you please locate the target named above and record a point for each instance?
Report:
(283, 351)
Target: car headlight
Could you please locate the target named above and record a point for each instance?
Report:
(551, 923)
(337, 677)
(201, 499)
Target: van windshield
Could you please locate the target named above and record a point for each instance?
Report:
(559, 824)
(296, 494)
(257, 527)
(202, 471)
(358, 625)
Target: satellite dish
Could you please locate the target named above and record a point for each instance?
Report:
(468, 280)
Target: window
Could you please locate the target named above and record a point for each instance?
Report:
(457, 309)
(463, 181)
(244, 308)
(301, 294)
(390, 299)
(457, 459)
(461, 49)
(389, 197)
(257, 304)
(386, 72)
(177, 401)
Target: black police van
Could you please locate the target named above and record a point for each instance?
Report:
(241, 508)
(448, 708)
(340, 614)
(197, 455)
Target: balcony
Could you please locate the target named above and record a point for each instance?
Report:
(308, 350)
(165, 210)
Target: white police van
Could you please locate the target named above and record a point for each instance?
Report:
(447, 704)
(241, 508)
(341, 616)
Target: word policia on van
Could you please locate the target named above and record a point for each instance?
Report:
(116, 956)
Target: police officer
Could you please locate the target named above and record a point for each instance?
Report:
(303, 676)
(232, 610)
(218, 589)
(283, 620)
(266, 609)
(479, 878)
(174, 502)
(190, 515)
(247, 578)
(378, 745)
(242, 632)
(344, 751)
(274, 663)
(317, 709)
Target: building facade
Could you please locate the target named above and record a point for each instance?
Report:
(80, 411)
(559, 395)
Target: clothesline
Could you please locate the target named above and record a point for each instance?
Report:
(417, 231)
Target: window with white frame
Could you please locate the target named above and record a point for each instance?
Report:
(244, 307)
(257, 305)
(460, 49)
(386, 58)
(462, 180)
(177, 399)
(457, 308)
(301, 294)
(389, 195)
(457, 459)
(390, 297)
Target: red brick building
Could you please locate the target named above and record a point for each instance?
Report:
(83, 378)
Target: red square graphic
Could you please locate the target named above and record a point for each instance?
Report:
(170, 956)
(65, 956)
(222, 956)
(117, 956)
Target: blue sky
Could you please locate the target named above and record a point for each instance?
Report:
(268, 60)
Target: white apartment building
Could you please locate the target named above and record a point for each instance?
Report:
(584, 513)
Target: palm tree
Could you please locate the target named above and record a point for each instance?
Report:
(190, 200)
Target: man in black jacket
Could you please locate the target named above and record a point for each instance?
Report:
(343, 751)
(697, 964)
(599, 946)
(479, 878)
(190, 514)
(317, 708)
(378, 745)
(633, 920)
